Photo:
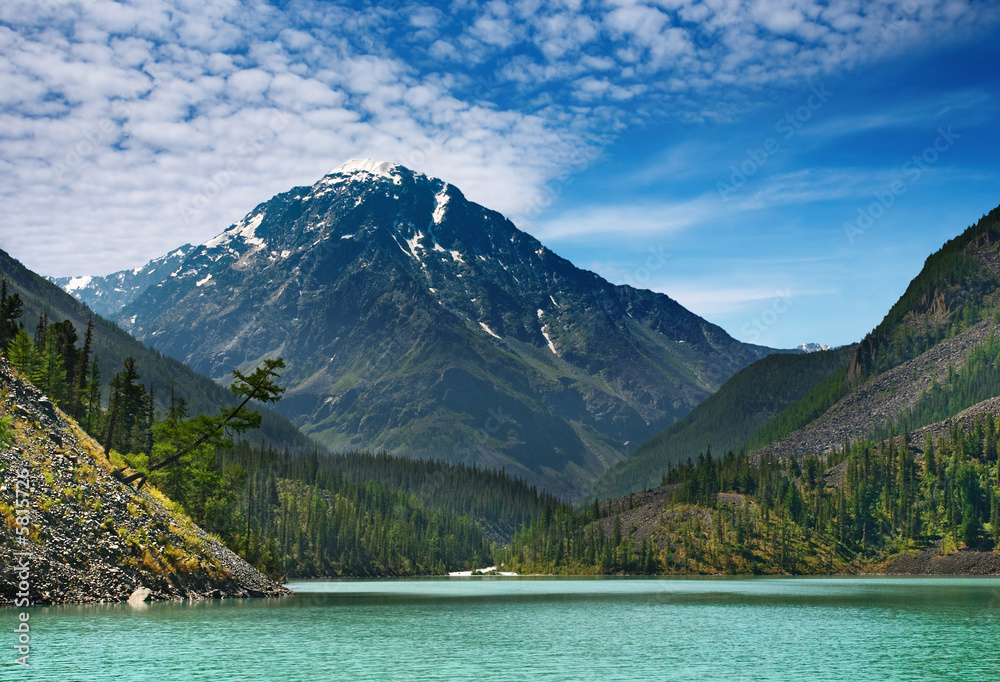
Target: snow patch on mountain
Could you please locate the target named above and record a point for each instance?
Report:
(76, 283)
(415, 244)
(383, 169)
(440, 203)
(552, 346)
(488, 330)
(246, 229)
(813, 347)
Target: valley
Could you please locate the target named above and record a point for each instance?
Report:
(879, 456)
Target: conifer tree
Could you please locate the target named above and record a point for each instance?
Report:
(92, 408)
(53, 371)
(127, 409)
(24, 356)
(930, 465)
(41, 330)
(11, 309)
(79, 386)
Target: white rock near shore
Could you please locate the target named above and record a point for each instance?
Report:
(138, 597)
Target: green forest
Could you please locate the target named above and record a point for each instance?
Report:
(289, 514)
(866, 502)
(312, 514)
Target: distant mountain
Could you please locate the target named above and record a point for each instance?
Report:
(109, 294)
(417, 321)
(111, 345)
(812, 347)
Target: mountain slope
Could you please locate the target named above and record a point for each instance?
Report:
(947, 311)
(957, 286)
(91, 537)
(416, 321)
(872, 407)
(111, 345)
(724, 420)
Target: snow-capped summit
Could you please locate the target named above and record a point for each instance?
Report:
(382, 168)
(812, 347)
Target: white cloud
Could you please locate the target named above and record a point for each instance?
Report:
(116, 115)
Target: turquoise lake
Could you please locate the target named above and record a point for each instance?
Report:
(535, 629)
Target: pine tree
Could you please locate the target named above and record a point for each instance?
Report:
(93, 399)
(65, 337)
(11, 309)
(79, 386)
(930, 465)
(127, 408)
(41, 330)
(24, 356)
(150, 420)
(53, 370)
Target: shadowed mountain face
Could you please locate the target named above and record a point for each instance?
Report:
(414, 320)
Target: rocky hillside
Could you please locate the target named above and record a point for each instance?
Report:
(883, 398)
(414, 320)
(92, 538)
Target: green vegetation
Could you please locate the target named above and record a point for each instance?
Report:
(874, 500)
(5, 423)
(978, 380)
(954, 290)
(733, 415)
(288, 513)
(337, 515)
(800, 413)
(501, 505)
(356, 514)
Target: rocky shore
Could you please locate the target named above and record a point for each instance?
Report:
(929, 561)
(90, 538)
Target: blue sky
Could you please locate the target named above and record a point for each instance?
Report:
(781, 167)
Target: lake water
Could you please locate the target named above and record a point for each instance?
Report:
(535, 629)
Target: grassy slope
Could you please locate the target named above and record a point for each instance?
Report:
(93, 538)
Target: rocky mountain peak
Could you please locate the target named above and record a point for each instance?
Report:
(415, 320)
